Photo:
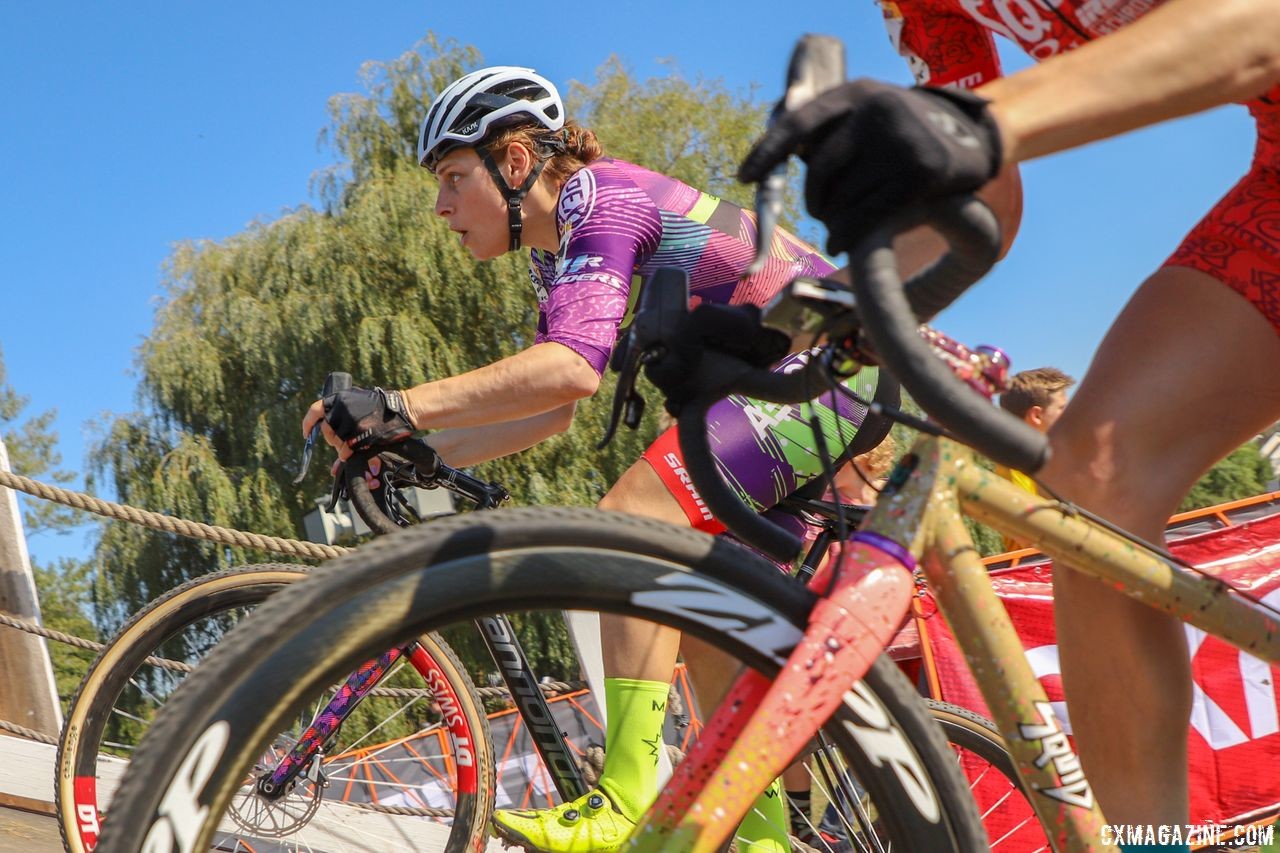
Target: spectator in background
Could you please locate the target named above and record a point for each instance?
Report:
(1038, 397)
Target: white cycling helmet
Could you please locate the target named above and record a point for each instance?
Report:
(473, 105)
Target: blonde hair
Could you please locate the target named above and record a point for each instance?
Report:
(877, 461)
(570, 148)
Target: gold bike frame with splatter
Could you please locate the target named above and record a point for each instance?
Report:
(939, 482)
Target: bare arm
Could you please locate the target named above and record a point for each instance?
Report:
(473, 445)
(539, 379)
(1181, 58)
(543, 379)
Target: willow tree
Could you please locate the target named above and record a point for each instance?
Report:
(368, 281)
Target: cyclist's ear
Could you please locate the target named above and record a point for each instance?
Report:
(515, 161)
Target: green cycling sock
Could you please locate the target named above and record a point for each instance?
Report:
(636, 711)
(764, 829)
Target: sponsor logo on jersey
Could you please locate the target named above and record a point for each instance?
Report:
(577, 264)
(677, 468)
(1024, 22)
(601, 277)
(535, 278)
(577, 198)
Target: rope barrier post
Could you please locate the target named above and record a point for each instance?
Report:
(28, 695)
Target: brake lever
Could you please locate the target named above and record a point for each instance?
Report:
(628, 405)
(339, 486)
(333, 383)
(663, 305)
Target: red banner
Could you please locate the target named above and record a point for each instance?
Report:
(1234, 744)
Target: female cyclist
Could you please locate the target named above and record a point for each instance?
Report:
(513, 172)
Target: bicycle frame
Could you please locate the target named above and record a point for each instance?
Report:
(500, 638)
(760, 727)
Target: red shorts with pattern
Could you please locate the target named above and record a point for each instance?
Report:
(1238, 243)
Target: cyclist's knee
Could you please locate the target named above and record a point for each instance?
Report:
(1097, 466)
(640, 491)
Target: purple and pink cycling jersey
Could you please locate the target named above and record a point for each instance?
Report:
(618, 223)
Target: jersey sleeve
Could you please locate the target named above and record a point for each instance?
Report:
(607, 225)
(943, 47)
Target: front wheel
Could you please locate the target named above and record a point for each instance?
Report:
(904, 789)
(140, 668)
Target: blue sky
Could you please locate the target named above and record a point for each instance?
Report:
(127, 127)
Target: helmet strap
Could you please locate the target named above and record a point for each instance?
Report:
(514, 197)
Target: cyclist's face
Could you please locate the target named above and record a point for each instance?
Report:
(471, 203)
(1049, 414)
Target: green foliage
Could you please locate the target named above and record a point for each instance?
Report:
(696, 131)
(64, 592)
(373, 283)
(1242, 474)
(32, 448)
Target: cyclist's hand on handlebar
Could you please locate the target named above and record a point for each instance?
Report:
(371, 471)
(360, 419)
(875, 150)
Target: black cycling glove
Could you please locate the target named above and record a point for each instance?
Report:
(366, 418)
(875, 150)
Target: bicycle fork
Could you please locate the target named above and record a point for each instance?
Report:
(358, 685)
(760, 727)
(501, 640)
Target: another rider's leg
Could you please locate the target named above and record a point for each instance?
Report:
(1155, 411)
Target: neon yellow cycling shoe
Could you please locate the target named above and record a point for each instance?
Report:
(589, 824)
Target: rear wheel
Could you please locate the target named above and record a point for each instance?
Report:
(137, 672)
(1007, 815)
(905, 789)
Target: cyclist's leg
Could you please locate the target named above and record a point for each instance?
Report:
(639, 658)
(1153, 413)
(633, 648)
(770, 451)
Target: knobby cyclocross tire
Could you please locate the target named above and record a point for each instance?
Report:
(220, 593)
(1002, 799)
(194, 760)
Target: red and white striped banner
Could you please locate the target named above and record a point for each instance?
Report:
(1234, 744)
